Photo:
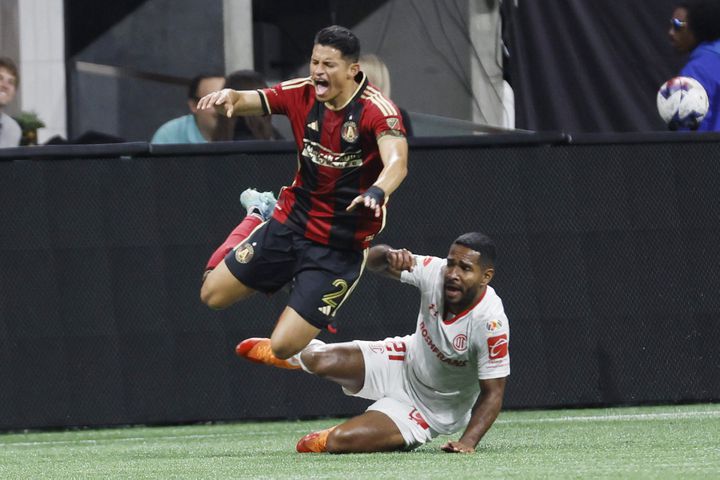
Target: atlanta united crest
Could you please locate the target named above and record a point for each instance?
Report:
(244, 253)
(349, 132)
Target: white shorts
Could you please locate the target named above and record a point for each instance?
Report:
(385, 382)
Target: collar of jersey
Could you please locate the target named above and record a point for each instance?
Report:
(362, 79)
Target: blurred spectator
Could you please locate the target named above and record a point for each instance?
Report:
(695, 28)
(245, 128)
(199, 125)
(376, 71)
(379, 75)
(10, 131)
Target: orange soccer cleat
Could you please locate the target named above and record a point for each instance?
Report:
(315, 442)
(258, 350)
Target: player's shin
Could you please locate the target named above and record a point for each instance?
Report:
(298, 357)
(258, 350)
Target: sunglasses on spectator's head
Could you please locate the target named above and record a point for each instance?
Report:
(677, 24)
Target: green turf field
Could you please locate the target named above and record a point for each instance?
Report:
(649, 442)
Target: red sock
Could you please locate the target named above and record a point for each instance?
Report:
(239, 234)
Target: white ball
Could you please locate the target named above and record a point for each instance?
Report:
(682, 102)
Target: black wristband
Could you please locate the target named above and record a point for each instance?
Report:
(376, 193)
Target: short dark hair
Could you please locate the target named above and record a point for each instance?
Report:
(245, 80)
(704, 18)
(341, 38)
(195, 83)
(481, 243)
(10, 65)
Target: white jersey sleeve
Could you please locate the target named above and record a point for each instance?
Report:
(424, 273)
(493, 359)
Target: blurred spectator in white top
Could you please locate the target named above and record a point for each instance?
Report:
(10, 131)
(199, 125)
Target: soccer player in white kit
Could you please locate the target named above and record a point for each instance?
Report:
(447, 376)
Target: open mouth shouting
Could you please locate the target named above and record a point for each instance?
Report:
(322, 87)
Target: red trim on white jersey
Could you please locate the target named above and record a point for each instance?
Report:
(464, 312)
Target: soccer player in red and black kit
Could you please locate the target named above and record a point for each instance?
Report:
(352, 154)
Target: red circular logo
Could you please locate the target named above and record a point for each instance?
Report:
(460, 343)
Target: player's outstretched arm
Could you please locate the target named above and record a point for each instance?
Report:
(484, 413)
(231, 102)
(394, 155)
(390, 262)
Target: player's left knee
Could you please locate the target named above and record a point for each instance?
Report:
(212, 297)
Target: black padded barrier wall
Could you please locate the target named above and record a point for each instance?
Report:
(609, 257)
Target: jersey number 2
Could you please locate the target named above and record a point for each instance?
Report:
(331, 298)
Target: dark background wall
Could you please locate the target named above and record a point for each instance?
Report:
(156, 47)
(608, 257)
(580, 66)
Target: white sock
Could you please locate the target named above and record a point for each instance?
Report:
(296, 360)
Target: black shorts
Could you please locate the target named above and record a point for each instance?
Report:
(322, 277)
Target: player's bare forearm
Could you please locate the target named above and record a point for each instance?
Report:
(248, 104)
(394, 155)
(231, 102)
(393, 152)
(484, 413)
(376, 260)
(388, 261)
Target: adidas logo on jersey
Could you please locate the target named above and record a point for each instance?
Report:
(326, 309)
(313, 125)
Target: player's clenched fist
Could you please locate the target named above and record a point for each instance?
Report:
(400, 259)
(223, 101)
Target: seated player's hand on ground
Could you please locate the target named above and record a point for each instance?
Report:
(400, 259)
(223, 101)
(456, 447)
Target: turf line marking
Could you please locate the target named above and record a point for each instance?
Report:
(604, 418)
(583, 418)
(95, 441)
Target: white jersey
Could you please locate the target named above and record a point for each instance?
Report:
(446, 358)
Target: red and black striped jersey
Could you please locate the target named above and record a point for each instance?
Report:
(338, 159)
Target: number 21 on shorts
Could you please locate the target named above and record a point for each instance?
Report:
(396, 350)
